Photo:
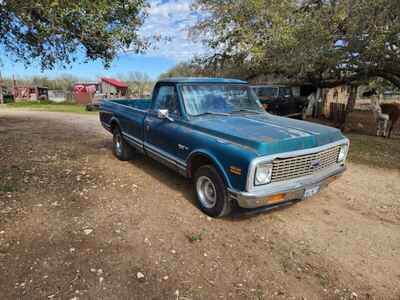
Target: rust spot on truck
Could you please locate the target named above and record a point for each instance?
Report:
(266, 138)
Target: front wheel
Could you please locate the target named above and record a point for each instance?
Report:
(121, 149)
(211, 193)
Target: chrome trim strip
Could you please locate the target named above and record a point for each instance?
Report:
(269, 158)
(131, 107)
(135, 139)
(135, 142)
(161, 153)
(156, 151)
(167, 160)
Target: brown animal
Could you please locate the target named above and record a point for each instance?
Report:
(393, 110)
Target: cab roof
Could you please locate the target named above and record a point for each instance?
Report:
(202, 80)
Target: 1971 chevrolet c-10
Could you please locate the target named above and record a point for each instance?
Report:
(216, 132)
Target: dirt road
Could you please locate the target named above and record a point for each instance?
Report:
(75, 223)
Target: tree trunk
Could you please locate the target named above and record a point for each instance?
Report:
(351, 102)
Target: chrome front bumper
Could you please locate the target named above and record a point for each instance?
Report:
(292, 189)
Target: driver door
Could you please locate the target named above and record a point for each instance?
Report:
(161, 134)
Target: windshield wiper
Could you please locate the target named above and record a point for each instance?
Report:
(245, 110)
(215, 113)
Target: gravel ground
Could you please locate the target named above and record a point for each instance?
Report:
(76, 223)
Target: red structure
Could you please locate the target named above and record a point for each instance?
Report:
(31, 93)
(84, 92)
(115, 82)
(107, 88)
(113, 88)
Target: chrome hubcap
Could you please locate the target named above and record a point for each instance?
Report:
(206, 192)
(118, 144)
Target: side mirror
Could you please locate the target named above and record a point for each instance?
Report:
(164, 114)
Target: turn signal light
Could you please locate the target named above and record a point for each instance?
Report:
(276, 198)
(331, 179)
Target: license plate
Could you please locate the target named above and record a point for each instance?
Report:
(311, 191)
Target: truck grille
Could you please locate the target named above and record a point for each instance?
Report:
(299, 166)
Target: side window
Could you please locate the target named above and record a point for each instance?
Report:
(167, 99)
(285, 92)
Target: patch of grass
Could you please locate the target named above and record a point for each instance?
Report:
(10, 179)
(50, 106)
(375, 151)
(8, 184)
(323, 279)
(195, 237)
(7, 188)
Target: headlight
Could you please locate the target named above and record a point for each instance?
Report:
(263, 174)
(342, 153)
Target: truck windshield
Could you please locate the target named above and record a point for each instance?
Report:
(200, 99)
(266, 91)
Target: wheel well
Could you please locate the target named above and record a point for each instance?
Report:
(114, 125)
(201, 160)
(198, 161)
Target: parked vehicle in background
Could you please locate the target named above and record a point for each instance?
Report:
(215, 132)
(279, 100)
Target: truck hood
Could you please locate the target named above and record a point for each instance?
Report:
(267, 134)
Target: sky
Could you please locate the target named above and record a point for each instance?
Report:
(168, 18)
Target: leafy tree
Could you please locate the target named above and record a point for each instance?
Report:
(187, 69)
(55, 31)
(323, 42)
(63, 82)
(139, 83)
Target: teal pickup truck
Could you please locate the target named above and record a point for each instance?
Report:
(216, 132)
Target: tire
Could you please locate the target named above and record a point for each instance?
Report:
(211, 193)
(121, 149)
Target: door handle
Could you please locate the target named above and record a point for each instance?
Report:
(147, 127)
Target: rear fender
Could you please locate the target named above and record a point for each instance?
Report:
(114, 122)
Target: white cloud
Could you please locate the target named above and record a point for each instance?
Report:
(171, 7)
(171, 19)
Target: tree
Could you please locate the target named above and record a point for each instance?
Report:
(187, 69)
(139, 83)
(55, 31)
(64, 82)
(323, 42)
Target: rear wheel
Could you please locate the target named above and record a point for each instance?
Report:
(121, 149)
(211, 193)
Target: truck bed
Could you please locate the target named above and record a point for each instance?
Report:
(129, 113)
(142, 104)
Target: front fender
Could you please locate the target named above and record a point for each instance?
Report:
(231, 160)
(213, 159)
